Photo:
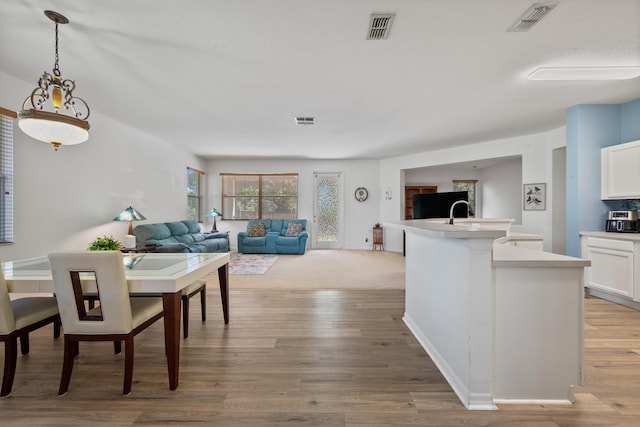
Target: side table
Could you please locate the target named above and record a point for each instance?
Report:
(377, 239)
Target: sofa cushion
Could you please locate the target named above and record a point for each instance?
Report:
(287, 241)
(185, 238)
(256, 230)
(152, 232)
(279, 226)
(293, 230)
(255, 241)
(192, 226)
(177, 228)
(212, 245)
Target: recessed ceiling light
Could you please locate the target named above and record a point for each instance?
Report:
(585, 73)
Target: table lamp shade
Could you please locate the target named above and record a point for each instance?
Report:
(130, 215)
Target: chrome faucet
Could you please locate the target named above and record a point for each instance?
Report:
(452, 206)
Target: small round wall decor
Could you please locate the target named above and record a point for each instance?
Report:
(361, 194)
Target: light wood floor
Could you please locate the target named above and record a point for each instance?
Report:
(307, 358)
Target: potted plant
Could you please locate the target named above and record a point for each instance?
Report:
(105, 243)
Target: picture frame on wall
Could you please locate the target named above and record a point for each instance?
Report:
(534, 197)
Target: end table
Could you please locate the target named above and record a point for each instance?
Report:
(377, 238)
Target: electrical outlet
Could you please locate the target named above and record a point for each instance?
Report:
(366, 240)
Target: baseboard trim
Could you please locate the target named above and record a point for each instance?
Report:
(613, 298)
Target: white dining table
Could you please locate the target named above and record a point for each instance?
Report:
(147, 273)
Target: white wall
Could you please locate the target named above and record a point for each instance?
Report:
(535, 151)
(63, 200)
(442, 177)
(359, 217)
(502, 191)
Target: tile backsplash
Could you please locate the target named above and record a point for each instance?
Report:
(623, 205)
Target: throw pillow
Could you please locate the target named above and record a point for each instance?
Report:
(293, 230)
(256, 230)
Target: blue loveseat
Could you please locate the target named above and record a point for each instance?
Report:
(275, 239)
(180, 236)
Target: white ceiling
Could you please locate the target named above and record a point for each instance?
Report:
(225, 79)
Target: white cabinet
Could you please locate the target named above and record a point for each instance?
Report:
(613, 266)
(620, 171)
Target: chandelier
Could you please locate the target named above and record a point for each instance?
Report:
(64, 122)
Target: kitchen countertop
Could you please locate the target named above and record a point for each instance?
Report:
(442, 229)
(634, 237)
(503, 255)
(509, 256)
(519, 237)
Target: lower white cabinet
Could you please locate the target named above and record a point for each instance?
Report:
(614, 263)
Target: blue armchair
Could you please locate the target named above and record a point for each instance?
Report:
(274, 236)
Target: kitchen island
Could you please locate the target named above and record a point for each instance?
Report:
(502, 323)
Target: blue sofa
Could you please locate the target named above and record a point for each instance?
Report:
(275, 239)
(180, 236)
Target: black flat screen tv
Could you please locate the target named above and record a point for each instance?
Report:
(438, 205)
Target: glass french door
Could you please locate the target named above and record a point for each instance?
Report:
(327, 210)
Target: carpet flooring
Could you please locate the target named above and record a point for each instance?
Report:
(328, 269)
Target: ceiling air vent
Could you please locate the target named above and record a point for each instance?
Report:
(531, 17)
(305, 120)
(380, 25)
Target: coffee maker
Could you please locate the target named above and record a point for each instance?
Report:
(622, 221)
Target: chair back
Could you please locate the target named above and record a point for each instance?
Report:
(7, 319)
(106, 268)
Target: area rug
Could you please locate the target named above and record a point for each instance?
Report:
(251, 263)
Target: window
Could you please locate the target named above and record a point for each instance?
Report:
(6, 175)
(257, 196)
(195, 179)
(468, 185)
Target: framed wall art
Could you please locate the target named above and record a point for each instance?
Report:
(534, 197)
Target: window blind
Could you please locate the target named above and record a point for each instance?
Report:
(258, 196)
(6, 176)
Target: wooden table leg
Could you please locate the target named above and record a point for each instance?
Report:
(223, 277)
(171, 305)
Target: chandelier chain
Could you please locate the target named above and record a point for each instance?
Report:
(56, 69)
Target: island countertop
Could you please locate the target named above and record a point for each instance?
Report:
(511, 256)
(442, 229)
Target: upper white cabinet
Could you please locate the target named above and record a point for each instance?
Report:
(621, 171)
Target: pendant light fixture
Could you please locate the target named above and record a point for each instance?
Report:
(63, 120)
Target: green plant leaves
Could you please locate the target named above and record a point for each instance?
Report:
(105, 243)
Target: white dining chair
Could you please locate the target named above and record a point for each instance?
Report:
(117, 317)
(18, 317)
(197, 287)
